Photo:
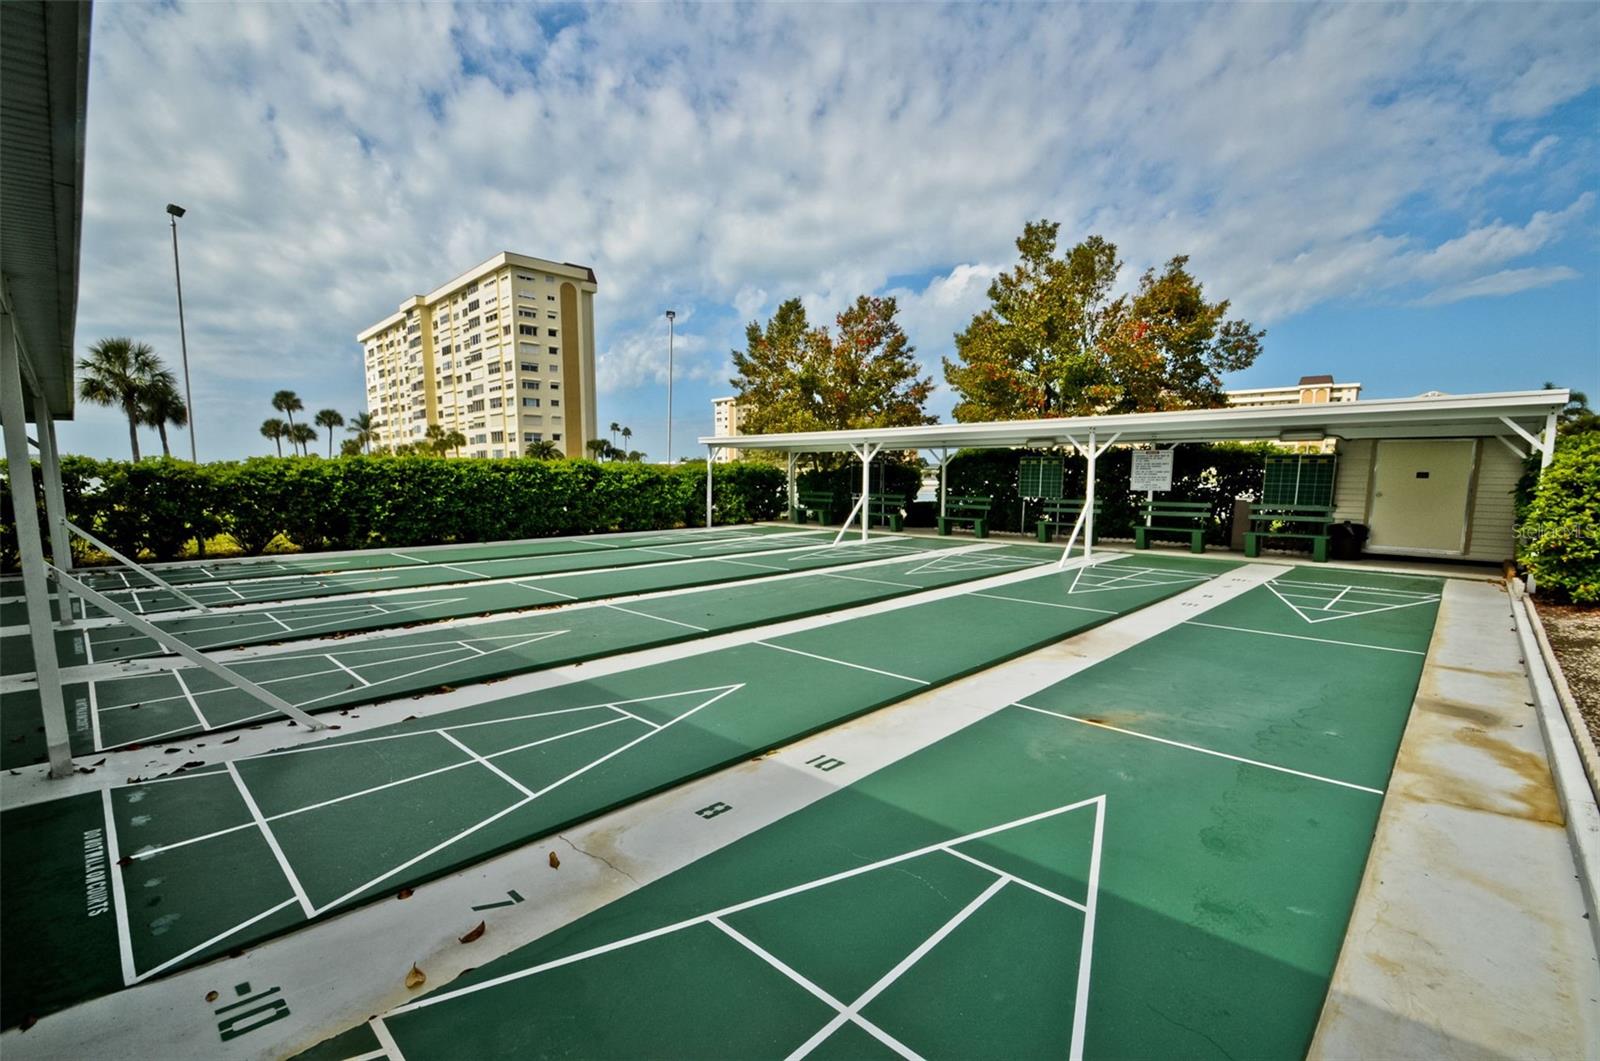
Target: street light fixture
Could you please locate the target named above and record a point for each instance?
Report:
(183, 339)
(672, 315)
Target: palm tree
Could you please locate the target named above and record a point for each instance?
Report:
(615, 427)
(365, 428)
(288, 403)
(544, 450)
(442, 442)
(330, 419)
(597, 448)
(627, 436)
(275, 429)
(116, 372)
(301, 435)
(161, 404)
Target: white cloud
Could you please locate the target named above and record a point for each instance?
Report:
(1504, 282)
(337, 158)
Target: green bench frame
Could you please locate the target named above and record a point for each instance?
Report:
(1064, 512)
(884, 510)
(1163, 517)
(809, 501)
(1276, 521)
(973, 510)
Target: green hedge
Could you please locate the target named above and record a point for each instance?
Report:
(1559, 539)
(156, 507)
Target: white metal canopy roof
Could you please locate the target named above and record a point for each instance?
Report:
(1506, 414)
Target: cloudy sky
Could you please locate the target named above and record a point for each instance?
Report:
(1404, 196)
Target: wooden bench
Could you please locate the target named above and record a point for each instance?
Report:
(809, 501)
(1307, 522)
(884, 510)
(1177, 518)
(1065, 512)
(973, 510)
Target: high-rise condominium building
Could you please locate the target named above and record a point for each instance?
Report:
(504, 354)
(726, 419)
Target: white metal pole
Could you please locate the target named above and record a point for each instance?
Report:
(866, 487)
(1547, 451)
(1088, 502)
(789, 493)
(710, 459)
(944, 461)
(672, 315)
(55, 506)
(35, 585)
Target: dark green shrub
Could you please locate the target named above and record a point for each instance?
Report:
(1559, 539)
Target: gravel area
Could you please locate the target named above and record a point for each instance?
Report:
(1575, 636)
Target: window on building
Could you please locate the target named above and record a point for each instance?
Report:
(530, 403)
(554, 402)
(523, 311)
(530, 384)
(551, 332)
(527, 329)
(533, 436)
(497, 436)
(529, 366)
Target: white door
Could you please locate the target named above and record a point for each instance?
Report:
(1419, 496)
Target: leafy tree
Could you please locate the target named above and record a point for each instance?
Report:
(602, 450)
(301, 435)
(365, 429)
(161, 404)
(440, 442)
(330, 419)
(1576, 416)
(793, 377)
(116, 372)
(1055, 342)
(350, 447)
(288, 403)
(1560, 535)
(276, 430)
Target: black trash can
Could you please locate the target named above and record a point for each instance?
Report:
(1346, 539)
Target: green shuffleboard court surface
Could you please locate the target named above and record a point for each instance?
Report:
(173, 704)
(657, 568)
(209, 860)
(367, 573)
(1156, 857)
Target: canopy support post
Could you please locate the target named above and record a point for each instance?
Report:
(711, 454)
(944, 463)
(789, 493)
(1547, 451)
(55, 505)
(163, 583)
(35, 582)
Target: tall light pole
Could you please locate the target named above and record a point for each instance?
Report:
(672, 315)
(183, 338)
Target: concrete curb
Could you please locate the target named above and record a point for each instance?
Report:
(1569, 705)
(1567, 764)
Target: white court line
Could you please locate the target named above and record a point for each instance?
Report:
(271, 839)
(633, 716)
(333, 660)
(1201, 750)
(814, 990)
(213, 941)
(878, 581)
(189, 696)
(728, 911)
(1041, 889)
(659, 618)
(486, 764)
(1331, 616)
(1303, 637)
(851, 1011)
(1080, 1007)
(391, 1049)
(542, 589)
(463, 570)
(119, 898)
(1363, 589)
(94, 717)
(840, 662)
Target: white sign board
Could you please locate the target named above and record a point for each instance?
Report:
(1152, 470)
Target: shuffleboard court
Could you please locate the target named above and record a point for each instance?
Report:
(173, 704)
(659, 569)
(1126, 865)
(198, 573)
(447, 568)
(208, 860)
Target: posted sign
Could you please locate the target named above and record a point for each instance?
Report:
(1152, 470)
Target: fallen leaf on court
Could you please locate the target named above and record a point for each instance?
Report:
(230, 740)
(416, 977)
(27, 1022)
(102, 762)
(555, 863)
(403, 893)
(125, 860)
(211, 996)
(172, 751)
(475, 934)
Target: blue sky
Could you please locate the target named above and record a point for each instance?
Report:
(1403, 196)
